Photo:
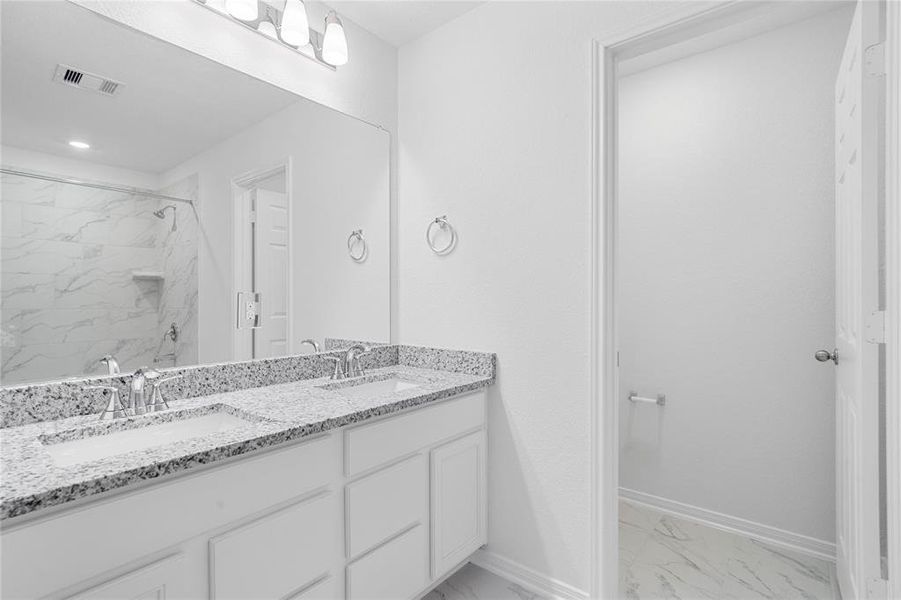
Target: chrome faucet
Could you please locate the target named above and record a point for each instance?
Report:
(311, 342)
(111, 363)
(140, 400)
(349, 364)
(137, 404)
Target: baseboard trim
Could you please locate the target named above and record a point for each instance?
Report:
(765, 533)
(526, 577)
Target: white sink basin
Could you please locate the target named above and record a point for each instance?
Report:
(377, 388)
(112, 443)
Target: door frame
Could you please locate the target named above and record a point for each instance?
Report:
(675, 27)
(893, 291)
(238, 185)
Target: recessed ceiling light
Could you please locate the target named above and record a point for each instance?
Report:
(79, 145)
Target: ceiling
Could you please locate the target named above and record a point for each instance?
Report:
(174, 104)
(401, 21)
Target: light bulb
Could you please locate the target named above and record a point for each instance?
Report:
(267, 29)
(245, 10)
(79, 144)
(334, 43)
(295, 26)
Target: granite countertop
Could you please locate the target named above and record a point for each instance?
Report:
(274, 414)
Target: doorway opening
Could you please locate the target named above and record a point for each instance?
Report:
(719, 440)
(262, 263)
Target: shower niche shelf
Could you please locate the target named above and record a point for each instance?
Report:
(147, 275)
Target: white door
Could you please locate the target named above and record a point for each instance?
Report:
(270, 272)
(858, 161)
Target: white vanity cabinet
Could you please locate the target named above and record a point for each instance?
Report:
(383, 509)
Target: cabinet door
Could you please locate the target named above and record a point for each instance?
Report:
(160, 580)
(458, 501)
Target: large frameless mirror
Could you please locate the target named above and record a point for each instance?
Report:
(160, 209)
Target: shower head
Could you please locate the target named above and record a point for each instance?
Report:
(161, 214)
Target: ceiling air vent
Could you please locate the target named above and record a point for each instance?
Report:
(86, 81)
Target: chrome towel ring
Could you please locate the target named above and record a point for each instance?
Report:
(443, 225)
(357, 247)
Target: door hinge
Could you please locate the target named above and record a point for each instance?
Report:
(874, 328)
(874, 60)
(877, 589)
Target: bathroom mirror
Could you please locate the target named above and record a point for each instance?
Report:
(163, 209)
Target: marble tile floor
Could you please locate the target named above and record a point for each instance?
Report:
(474, 583)
(665, 557)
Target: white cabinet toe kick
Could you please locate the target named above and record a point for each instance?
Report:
(380, 510)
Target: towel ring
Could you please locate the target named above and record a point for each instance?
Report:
(356, 239)
(442, 223)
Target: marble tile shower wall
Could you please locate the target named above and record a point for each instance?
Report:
(178, 300)
(66, 286)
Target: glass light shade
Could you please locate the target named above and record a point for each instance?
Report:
(295, 26)
(245, 10)
(268, 29)
(334, 43)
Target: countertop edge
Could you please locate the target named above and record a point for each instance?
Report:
(13, 508)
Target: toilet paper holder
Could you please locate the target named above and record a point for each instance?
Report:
(660, 400)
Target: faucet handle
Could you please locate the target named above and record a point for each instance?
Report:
(157, 402)
(111, 364)
(114, 408)
(359, 365)
(337, 373)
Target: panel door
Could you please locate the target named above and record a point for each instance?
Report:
(458, 501)
(270, 272)
(858, 160)
(160, 580)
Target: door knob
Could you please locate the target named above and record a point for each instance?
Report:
(824, 355)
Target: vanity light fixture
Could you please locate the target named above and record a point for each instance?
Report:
(295, 28)
(79, 144)
(268, 29)
(334, 42)
(288, 24)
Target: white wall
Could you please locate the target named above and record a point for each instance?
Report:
(727, 277)
(366, 87)
(339, 172)
(494, 131)
(79, 169)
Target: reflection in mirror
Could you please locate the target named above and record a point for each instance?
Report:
(161, 209)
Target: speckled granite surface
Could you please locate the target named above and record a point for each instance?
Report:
(32, 403)
(329, 344)
(274, 414)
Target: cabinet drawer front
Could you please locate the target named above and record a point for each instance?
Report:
(325, 589)
(385, 503)
(371, 445)
(278, 554)
(395, 571)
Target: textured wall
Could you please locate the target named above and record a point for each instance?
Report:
(727, 273)
(339, 183)
(495, 132)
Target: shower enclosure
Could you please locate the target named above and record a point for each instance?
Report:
(94, 270)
